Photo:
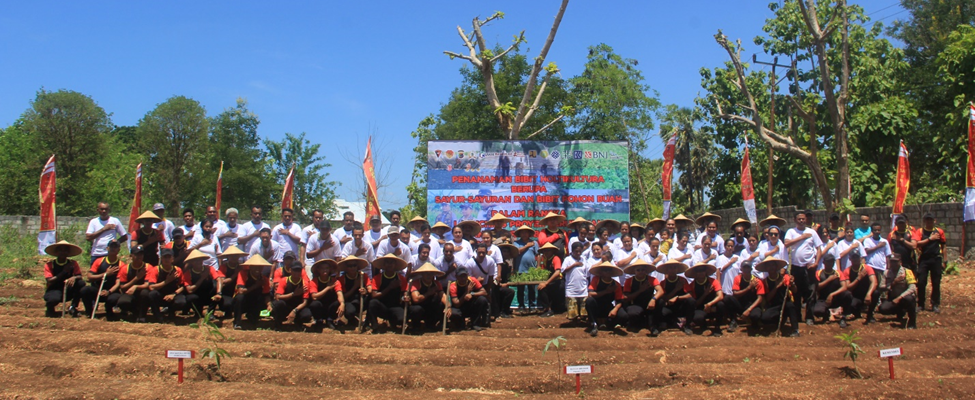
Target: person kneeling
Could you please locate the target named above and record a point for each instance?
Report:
(642, 293)
(901, 292)
(427, 296)
(327, 300)
(253, 291)
(777, 292)
(388, 292)
(603, 291)
(291, 298)
(831, 291)
(468, 300)
(703, 299)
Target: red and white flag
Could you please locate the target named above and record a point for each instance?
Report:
(136, 203)
(287, 196)
(747, 191)
(668, 172)
(372, 196)
(219, 187)
(903, 182)
(47, 192)
(970, 177)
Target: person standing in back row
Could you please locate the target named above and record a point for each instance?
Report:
(931, 255)
(102, 230)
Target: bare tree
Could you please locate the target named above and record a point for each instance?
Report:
(481, 57)
(836, 102)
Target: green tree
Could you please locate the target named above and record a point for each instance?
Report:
(235, 142)
(312, 189)
(73, 127)
(22, 169)
(173, 137)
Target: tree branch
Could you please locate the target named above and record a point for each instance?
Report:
(538, 96)
(474, 61)
(512, 47)
(533, 77)
(545, 128)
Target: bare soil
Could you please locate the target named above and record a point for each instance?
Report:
(70, 358)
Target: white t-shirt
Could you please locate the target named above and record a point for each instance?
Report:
(701, 256)
(443, 266)
(390, 248)
(675, 253)
(435, 250)
(226, 242)
(584, 242)
(212, 250)
(275, 250)
(877, 259)
(495, 253)
(842, 246)
(308, 232)
(488, 265)
(341, 233)
(717, 242)
(577, 279)
(99, 246)
(372, 236)
(780, 251)
(728, 272)
(248, 228)
(745, 254)
(462, 251)
(191, 231)
(350, 249)
(285, 241)
(166, 226)
(803, 252)
(316, 242)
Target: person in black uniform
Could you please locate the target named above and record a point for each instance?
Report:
(169, 284)
(703, 299)
(253, 291)
(291, 297)
(468, 300)
(902, 242)
(777, 291)
(62, 275)
(326, 298)
(831, 290)
(107, 269)
(673, 285)
(388, 292)
(604, 305)
(355, 285)
(197, 283)
(931, 260)
(427, 297)
(641, 294)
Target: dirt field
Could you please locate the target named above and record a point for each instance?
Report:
(80, 358)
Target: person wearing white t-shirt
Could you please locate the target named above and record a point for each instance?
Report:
(267, 248)
(317, 219)
(877, 249)
(482, 267)
(773, 246)
(287, 233)
(213, 215)
(711, 231)
(706, 254)
(190, 228)
(843, 248)
(344, 233)
(393, 245)
(375, 234)
(207, 243)
(582, 237)
(624, 255)
(805, 245)
(421, 256)
(229, 232)
(462, 248)
(165, 225)
(655, 257)
(575, 271)
(728, 268)
(250, 231)
(426, 237)
(681, 251)
(320, 246)
(102, 230)
(493, 250)
(448, 264)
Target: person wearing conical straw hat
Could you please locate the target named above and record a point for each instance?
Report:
(739, 234)
(777, 291)
(198, 283)
(604, 291)
(703, 299)
(669, 307)
(440, 232)
(641, 294)
(169, 284)
(552, 234)
(576, 224)
(470, 231)
(326, 297)
(575, 271)
(355, 286)
(415, 224)
(804, 244)
(637, 231)
(772, 245)
(291, 296)
(500, 235)
(582, 235)
(427, 296)
(149, 237)
(702, 222)
(133, 284)
(551, 292)
(253, 291)
(389, 292)
(225, 278)
(63, 278)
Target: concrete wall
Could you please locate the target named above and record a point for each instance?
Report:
(948, 216)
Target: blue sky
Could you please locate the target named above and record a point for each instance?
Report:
(341, 71)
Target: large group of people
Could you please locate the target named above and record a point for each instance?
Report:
(679, 273)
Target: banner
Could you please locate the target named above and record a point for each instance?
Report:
(372, 194)
(525, 180)
(747, 190)
(903, 182)
(219, 188)
(287, 195)
(47, 192)
(136, 203)
(668, 172)
(970, 177)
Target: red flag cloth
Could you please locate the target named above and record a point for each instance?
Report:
(287, 196)
(219, 187)
(136, 202)
(668, 172)
(372, 196)
(969, 214)
(47, 192)
(903, 180)
(747, 191)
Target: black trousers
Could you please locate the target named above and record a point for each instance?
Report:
(695, 313)
(90, 293)
(280, 310)
(388, 312)
(735, 306)
(805, 280)
(250, 304)
(667, 313)
(137, 303)
(429, 313)
(770, 315)
(858, 302)
(52, 297)
(476, 310)
(638, 316)
(932, 267)
(529, 291)
(156, 302)
(821, 309)
(553, 297)
(599, 308)
(501, 298)
(201, 298)
(907, 305)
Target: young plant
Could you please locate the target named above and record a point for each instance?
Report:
(853, 350)
(212, 335)
(557, 343)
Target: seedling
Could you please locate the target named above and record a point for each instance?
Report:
(212, 335)
(852, 348)
(557, 343)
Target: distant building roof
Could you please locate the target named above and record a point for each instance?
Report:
(358, 209)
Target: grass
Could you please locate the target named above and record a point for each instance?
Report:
(19, 257)
(8, 300)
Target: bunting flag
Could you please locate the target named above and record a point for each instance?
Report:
(136, 203)
(372, 196)
(668, 172)
(747, 191)
(903, 182)
(49, 222)
(287, 196)
(219, 187)
(970, 178)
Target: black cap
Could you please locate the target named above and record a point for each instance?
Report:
(137, 249)
(928, 216)
(165, 251)
(461, 271)
(289, 253)
(375, 218)
(178, 232)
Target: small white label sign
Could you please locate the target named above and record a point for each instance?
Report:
(890, 352)
(179, 354)
(578, 369)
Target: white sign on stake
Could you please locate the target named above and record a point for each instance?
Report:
(578, 369)
(890, 352)
(179, 354)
